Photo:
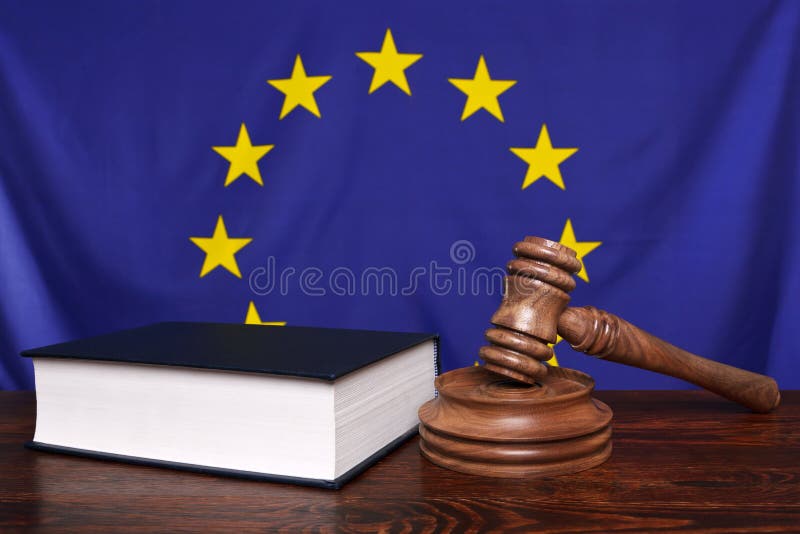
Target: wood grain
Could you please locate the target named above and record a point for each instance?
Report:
(484, 424)
(683, 460)
(606, 336)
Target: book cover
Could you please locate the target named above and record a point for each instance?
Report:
(310, 352)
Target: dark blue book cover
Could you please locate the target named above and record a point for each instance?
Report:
(310, 352)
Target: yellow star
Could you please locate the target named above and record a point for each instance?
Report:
(554, 361)
(220, 249)
(299, 89)
(582, 248)
(543, 160)
(243, 157)
(389, 65)
(254, 318)
(482, 91)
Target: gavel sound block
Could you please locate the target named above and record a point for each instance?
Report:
(516, 416)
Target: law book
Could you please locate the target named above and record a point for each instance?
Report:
(312, 406)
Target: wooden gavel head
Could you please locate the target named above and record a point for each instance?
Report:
(536, 294)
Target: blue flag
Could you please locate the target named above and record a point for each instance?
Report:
(371, 166)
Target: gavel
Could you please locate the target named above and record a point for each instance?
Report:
(534, 310)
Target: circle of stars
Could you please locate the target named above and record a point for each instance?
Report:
(389, 67)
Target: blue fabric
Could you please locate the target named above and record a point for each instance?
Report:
(685, 115)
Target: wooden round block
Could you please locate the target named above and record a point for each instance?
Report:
(485, 424)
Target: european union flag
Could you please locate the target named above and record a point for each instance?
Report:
(370, 165)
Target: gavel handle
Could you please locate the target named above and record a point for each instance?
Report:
(606, 336)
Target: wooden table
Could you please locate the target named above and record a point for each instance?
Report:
(683, 460)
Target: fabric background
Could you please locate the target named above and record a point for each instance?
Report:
(685, 115)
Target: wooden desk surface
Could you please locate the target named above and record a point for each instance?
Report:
(682, 461)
